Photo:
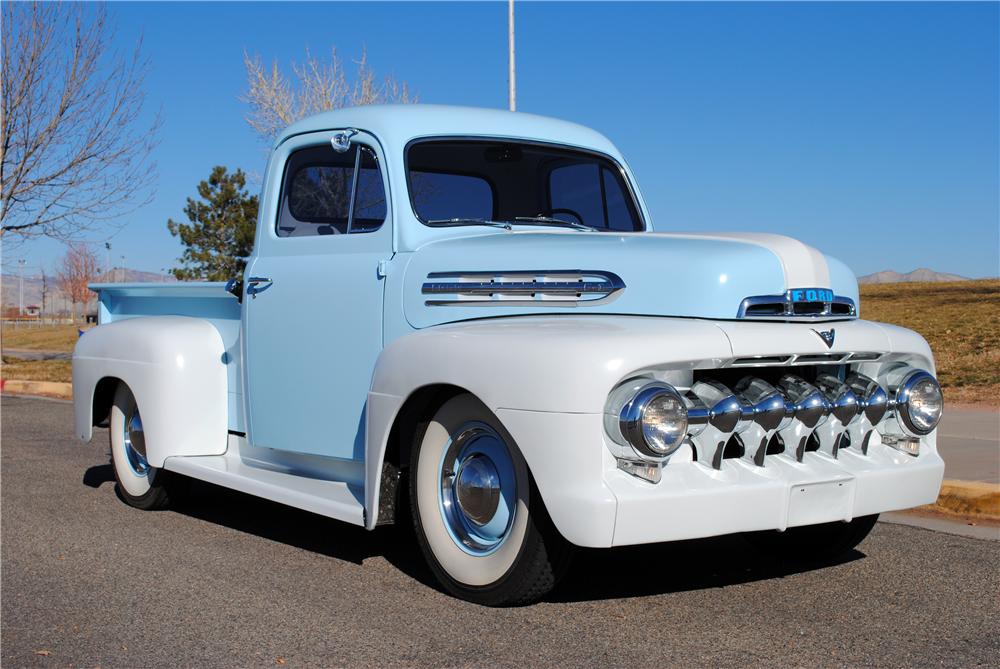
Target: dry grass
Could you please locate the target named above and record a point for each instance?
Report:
(42, 337)
(961, 322)
(37, 370)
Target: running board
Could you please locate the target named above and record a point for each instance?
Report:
(334, 499)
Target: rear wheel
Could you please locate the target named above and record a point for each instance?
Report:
(813, 542)
(479, 519)
(139, 484)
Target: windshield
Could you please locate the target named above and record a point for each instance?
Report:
(483, 182)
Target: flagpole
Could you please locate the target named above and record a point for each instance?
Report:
(511, 81)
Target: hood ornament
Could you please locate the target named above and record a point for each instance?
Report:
(827, 336)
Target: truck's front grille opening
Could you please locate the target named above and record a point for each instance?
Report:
(734, 448)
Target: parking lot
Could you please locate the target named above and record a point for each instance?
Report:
(229, 580)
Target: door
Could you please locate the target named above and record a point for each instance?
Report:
(313, 304)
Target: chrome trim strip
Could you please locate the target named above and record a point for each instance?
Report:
(788, 360)
(479, 287)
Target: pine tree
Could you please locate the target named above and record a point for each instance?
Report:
(220, 236)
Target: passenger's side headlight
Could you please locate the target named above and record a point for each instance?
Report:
(650, 416)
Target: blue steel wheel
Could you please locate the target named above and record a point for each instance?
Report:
(139, 484)
(479, 519)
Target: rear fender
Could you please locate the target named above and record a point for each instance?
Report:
(175, 367)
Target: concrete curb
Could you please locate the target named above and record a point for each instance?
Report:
(968, 498)
(44, 388)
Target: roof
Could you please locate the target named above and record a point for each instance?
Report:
(399, 123)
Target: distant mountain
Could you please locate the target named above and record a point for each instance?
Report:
(33, 286)
(922, 274)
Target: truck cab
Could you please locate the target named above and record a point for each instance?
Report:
(465, 319)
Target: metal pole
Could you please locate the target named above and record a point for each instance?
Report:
(511, 81)
(123, 269)
(20, 297)
(107, 266)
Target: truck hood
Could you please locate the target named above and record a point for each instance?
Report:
(661, 274)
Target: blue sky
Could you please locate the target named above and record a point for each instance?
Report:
(867, 130)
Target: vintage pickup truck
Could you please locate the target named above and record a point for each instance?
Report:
(464, 319)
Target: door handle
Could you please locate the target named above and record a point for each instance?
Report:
(254, 285)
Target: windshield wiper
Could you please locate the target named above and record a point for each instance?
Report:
(447, 222)
(548, 220)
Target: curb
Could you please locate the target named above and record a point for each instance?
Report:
(968, 498)
(62, 391)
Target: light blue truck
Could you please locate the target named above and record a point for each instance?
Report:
(464, 319)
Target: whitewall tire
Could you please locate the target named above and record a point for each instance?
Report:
(139, 484)
(479, 518)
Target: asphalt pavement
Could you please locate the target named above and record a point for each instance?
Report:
(226, 580)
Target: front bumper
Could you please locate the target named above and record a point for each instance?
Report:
(594, 504)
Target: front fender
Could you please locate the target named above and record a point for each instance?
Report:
(535, 366)
(175, 367)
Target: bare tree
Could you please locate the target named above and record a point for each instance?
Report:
(276, 101)
(72, 151)
(77, 270)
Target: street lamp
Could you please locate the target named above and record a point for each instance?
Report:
(20, 291)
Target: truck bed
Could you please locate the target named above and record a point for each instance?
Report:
(207, 300)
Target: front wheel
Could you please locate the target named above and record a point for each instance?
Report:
(479, 519)
(813, 542)
(139, 484)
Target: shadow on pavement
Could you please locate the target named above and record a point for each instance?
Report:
(654, 569)
(99, 474)
(302, 529)
(595, 574)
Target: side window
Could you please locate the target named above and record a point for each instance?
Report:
(440, 195)
(592, 194)
(318, 188)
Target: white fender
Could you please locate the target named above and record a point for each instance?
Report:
(548, 378)
(176, 370)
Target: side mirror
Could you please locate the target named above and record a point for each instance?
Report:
(235, 288)
(341, 141)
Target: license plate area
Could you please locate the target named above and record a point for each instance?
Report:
(811, 503)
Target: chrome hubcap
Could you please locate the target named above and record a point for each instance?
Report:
(478, 489)
(135, 445)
